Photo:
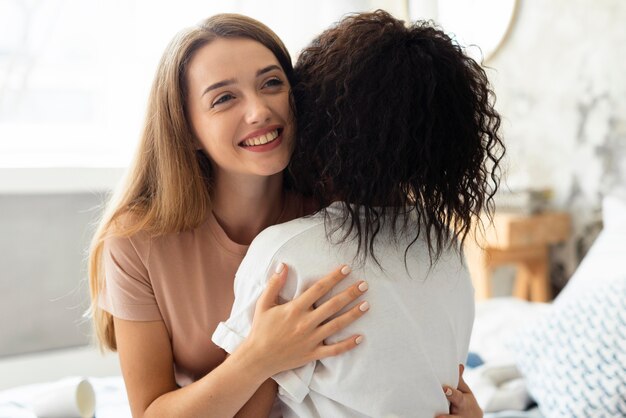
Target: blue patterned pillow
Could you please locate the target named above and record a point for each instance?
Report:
(574, 359)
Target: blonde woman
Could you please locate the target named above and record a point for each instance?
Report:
(206, 179)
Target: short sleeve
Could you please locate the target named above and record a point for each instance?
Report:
(249, 285)
(232, 332)
(127, 292)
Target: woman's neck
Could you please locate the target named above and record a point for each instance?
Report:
(245, 205)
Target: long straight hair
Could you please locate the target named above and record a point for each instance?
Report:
(168, 185)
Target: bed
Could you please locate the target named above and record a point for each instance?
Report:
(567, 356)
(513, 339)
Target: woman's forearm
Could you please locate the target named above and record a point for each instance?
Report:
(221, 393)
(147, 365)
(282, 337)
(261, 403)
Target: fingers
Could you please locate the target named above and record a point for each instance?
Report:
(323, 286)
(338, 348)
(462, 386)
(274, 285)
(454, 396)
(337, 324)
(338, 302)
(462, 401)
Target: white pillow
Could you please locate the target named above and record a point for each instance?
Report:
(606, 259)
(574, 359)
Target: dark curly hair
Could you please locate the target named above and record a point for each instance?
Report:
(392, 118)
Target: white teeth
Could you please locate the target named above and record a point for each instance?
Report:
(261, 140)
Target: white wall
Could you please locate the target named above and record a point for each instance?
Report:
(48, 180)
(54, 365)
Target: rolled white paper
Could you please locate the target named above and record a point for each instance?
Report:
(68, 398)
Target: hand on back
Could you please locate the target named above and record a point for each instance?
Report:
(292, 334)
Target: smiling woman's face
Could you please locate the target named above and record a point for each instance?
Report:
(238, 105)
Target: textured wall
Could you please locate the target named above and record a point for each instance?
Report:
(560, 80)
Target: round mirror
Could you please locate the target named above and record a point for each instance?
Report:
(479, 25)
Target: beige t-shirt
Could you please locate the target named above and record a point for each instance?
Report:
(184, 279)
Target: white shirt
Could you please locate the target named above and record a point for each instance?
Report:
(416, 332)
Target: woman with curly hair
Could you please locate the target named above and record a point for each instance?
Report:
(398, 142)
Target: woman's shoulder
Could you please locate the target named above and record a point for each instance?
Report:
(126, 254)
(126, 235)
(275, 240)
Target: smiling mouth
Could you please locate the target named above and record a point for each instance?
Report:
(261, 139)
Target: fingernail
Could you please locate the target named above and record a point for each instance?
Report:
(279, 268)
(359, 339)
(363, 286)
(346, 270)
(364, 306)
(448, 392)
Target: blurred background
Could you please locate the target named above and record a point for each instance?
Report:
(74, 78)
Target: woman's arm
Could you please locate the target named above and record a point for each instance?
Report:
(260, 405)
(147, 366)
(283, 337)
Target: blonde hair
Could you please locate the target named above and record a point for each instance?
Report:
(167, 187)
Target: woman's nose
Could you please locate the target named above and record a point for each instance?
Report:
(257, 111)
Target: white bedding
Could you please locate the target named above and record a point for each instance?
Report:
(498, 384)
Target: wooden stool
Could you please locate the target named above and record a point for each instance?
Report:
(521, 240)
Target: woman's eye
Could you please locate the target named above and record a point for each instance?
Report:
(222, 99)
(273, 82)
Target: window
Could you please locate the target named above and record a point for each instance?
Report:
(49, 80)
(75, 74)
